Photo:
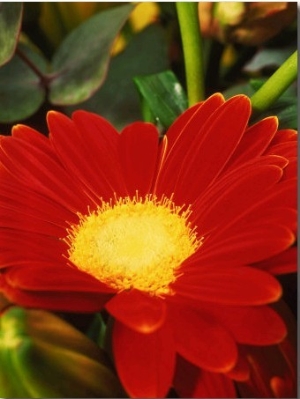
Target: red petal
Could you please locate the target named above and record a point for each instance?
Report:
(206, 158)
(239, 285)
(19, 204)
(273, 369)
(19, 221)
(234, 197)
(192, 382)
(255, 140)
(27, 223)
(201, 340)
(284, 135)
(46, 276)
(285, 262)
(261, 214)
(181, 136)
(138, 151)
(145, 362)
(285, 194)
(55, 301)
(241, 371)
(105, 139)
(17, 248)
(138, 311)
(287, 150)
(259, 325)
(272, 373)
(87, 147)
(238, 194)
(42, 173)
(193, 116)
(282, 387)
(291, 170)
(247, 246)
(30, 135)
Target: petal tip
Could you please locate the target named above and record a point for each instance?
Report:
(53, 116)
(218, 96)
(241, 98)
(16, 128)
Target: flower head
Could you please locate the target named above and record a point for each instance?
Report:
(170, 236)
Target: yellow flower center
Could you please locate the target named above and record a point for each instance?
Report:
(133, 243)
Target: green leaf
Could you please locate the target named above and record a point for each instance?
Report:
(269, 57)
(118, 100)
(81, 62)
(97, 330)
(164, 96)
(43, 356)
(21, 92)
(244, 88)
(10, 25)
(288, 116)
(285, 109)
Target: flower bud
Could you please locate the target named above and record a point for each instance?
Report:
(43, 356)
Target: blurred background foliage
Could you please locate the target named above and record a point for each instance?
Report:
(125, 60)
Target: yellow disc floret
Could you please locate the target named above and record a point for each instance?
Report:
(133, 243)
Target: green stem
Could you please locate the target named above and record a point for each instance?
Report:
(43, 78)
(192, 50)
(275, 85)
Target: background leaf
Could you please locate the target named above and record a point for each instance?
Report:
(21, 92)
(269, 57)
(10, 24)
(244, 88)
(118, 99)
(43, 356)
(286, 111)
(285, 108)
(80, 63)
(164, 96)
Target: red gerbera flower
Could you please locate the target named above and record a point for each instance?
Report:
(170, 236)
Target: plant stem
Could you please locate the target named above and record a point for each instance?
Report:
(275, 85)
(192, 50)
(43, 78)
(31, 65)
